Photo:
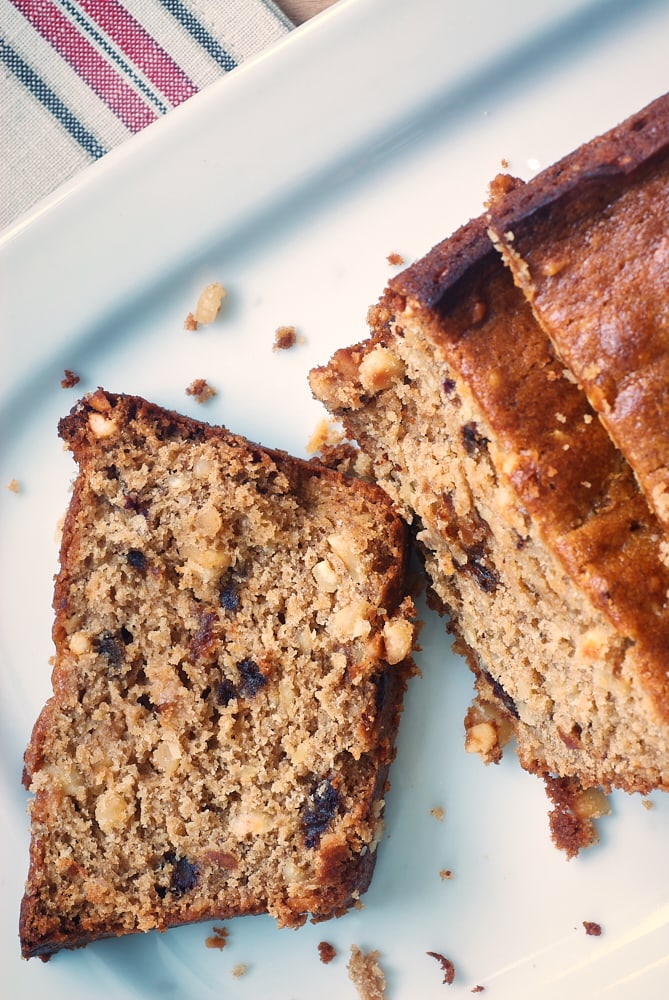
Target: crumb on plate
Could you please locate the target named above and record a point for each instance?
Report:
(366, 974)
(592, 929)
(240, 970)
(445, 874)
(326, 952)
(207, 308)
(218, 938)
(13, 486)
(285, 337)
(69, 379)
(201, 390)
(325, 435)
(437, 813)
(395, 258)
(447, 966)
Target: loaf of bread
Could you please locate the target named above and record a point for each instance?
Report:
(588, 242)
(536, 537)
(232, 643)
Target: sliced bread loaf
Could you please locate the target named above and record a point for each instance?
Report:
(232, 647)
(588, 242)
(537, 540)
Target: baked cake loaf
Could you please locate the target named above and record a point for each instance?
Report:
(588, 242)
(536, 538)
(232, 642)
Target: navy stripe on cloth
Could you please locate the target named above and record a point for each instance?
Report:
(88, 26)
(200, 34)
(46, 96)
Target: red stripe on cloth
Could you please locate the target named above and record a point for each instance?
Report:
(88, 63)
(130, 36)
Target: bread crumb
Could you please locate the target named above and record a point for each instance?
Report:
(575, 809)
(395, 258)
(504, 163)
(207, 308)
(445, 874)
(325, 435)
(201, 390)
(446, 965)
(437, 813)
(478, 989)
(13, 486)
(240, 970)
(218, 939)
(286, 337)
(69, 379)
(326, 952)
(648, 803)
(366, 974)
(592, 929)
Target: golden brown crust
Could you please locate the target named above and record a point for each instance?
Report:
(508, 432)
(220, 731)
(587, 242)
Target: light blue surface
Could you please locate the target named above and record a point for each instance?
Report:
(291, 182)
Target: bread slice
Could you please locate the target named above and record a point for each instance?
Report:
(588, 242)
(536, 537)
(232, 647)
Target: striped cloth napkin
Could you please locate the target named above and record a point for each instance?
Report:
(81, 76)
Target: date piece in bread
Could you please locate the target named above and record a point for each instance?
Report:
(232, 647)
(588, 242)
(536, 537)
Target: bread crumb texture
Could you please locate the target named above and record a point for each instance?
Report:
(326, 952)
(536, 539)
(200, 389)
(285, 337)
(366, 974)
(232, 647)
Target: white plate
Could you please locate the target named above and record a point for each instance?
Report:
(374, 129)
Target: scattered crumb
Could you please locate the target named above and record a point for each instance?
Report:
(592, 929)
(445, 874)
(285, 337)
(207, 308)
(218, 939)
(505, 163)
(648, 803)
(70, 379)
(240, 970)
(478, 989)
(366, 974)
(326, 952)
(437, 813)
(201, 390)
(325, 435)
(395, 258)
(446, 965)
(13, 486)
(575, 809)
